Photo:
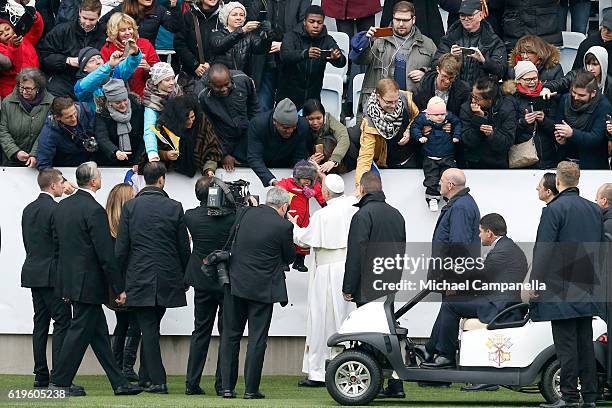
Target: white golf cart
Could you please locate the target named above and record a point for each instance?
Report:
(371, 346)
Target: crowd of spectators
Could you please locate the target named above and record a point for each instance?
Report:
(244, 88)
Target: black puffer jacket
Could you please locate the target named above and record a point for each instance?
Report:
(536, 17)
(234, 49)
(302, 77)
(544, 138)
(185, 42)
(148, 26)
(489, 152)
(66, 40)
(485, 39)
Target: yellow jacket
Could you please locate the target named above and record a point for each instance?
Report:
(373, 147)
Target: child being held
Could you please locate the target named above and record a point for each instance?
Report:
(301, 188)
(438, 145)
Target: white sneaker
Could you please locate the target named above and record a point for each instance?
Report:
(433, 205)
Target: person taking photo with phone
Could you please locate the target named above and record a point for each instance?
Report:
(403, 54)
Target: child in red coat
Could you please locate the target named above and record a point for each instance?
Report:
(19, 50)
(120, 28)
(301, 188)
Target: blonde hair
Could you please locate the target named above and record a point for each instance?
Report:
(385, 86)
(113, 26)
(118, 196)
(548, 53)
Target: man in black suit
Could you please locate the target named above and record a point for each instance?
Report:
(505, 263)
(39, 273)
(87, 267)
(153, 248)
(262, 246)
(208, 233)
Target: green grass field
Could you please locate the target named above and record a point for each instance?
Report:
(281, 391)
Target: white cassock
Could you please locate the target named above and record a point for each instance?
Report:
(327, 235)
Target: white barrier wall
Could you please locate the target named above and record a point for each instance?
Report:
(510, 193)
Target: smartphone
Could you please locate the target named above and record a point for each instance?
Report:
(23, 25)
(319, 148)
(383, 32)
(537, 104)
(126, 50)
(467, 51)
(263, 15)
(326, 53)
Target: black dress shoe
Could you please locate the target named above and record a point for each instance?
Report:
(41, 384)
(387, 393)
(128, 389)
(421, 351)
(305, 382)
(76, 386)
(561, 404)
(254, 395)
(157, 389)
(229, 394)
(439, 362)
(194, 390)
(144, 384)
(480, 387)
(219, 392)
(70, 391)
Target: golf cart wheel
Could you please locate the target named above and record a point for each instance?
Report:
(353, 378)
(550, 386)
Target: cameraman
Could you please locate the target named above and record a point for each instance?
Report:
(263, 245)
(208, 233)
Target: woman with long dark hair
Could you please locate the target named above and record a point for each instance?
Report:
(198, 146)
(126, 336)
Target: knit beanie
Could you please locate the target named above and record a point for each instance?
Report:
(523, 67)
(115, 90)
(227, 9)
(304, 170)
(160, 71)
(286, 112)
(436, 106)
(85, 55)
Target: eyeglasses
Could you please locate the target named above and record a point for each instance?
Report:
(468, 17)
(386, 102)
(529, 80)
(476, 98)
(27, 89)
(403, 20)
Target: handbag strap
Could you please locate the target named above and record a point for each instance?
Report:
(198, 35)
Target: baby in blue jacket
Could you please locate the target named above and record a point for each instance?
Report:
(438, 145)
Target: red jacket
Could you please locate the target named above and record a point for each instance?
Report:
(300, 203)
(350, 9)
(23, 56)
(139, 78)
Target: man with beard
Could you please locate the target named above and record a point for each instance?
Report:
(581, 131)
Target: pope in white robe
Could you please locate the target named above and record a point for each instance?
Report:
(327, 235)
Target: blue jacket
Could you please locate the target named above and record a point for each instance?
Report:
(456, 232)
(439, 143)
(589, 145)
(56, 147)
(566, 250)
(86, 89)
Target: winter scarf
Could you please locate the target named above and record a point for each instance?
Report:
(527, 92)
(580, 118)
(29, 105)
(387, 124)
(124, 127)
(155, 99)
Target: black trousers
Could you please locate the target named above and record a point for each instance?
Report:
(151, 365)
(87, 328)
(207, 304)
(433, 169)
(573, 340)
(48, 306)
(236, 312)
(127, 324)
(445, 332)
